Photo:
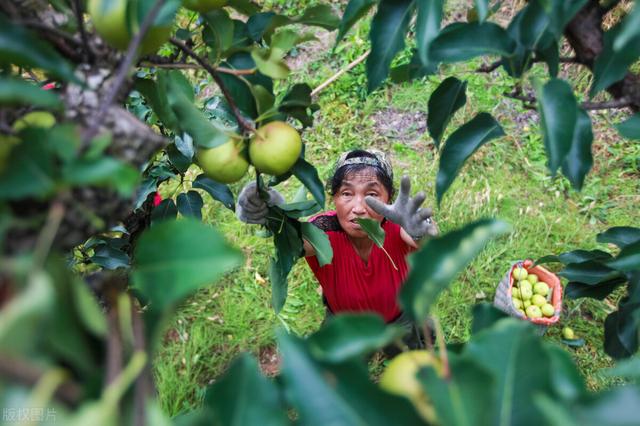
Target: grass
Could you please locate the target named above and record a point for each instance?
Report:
(506, 179)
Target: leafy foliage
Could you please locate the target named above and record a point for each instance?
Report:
(92, 162)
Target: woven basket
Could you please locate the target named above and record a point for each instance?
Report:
(503, 301)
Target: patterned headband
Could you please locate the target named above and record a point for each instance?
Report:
(380, 161)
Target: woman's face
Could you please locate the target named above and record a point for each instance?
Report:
(350, 204)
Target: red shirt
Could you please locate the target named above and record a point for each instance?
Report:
(351, 285)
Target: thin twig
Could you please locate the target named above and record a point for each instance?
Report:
(143, 387)
(114, 344)
(442, 348)
(244, 124)
(495, 65)
(489, 67)
(613, 104)
(41, 26)
(527, 100)
(77, 10)
(189, 66)
(337, 75)
(20, 371)
(48, 234)
(121, 74)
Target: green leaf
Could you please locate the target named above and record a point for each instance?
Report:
(628, 259)
(287, 237)
(588, 272)
(177, 159)
(629, 30)
(221, 27)
(175, 258)
(565, 376)
(559, 114)
(616, 407)
(239, 87)
(482, 7)
(461, 145)
(561, 13)
(190, 204)
(242, 396)
(529, 29)
(298, 104)
(110, 258)
(574, 343)
(373, 229)
(64, 140)
(337, 394)
(264, 98)
(308, 175)
(551, 56)
(628, 369)
(427, 27)
(89, 311)
(484, 316)
(270, 61)
(630, 128)
(155, 94)
(619, 235)
(576, 290)
(579, 160)
(350, 336)
(102, 171)
(218, 191)
(246, 7)
(621, 332)
(300, 209)
(166, 210)
(464, 41)
(185, 146)
(611, 65)
(320, 242)
(465, 398)
(388, 31)
(21, 47)
(440, 260)
(15, 91)
(320, 15)
(25, 313)
(575, 256)
(192, 121)
(262, 25)
(30, 168)
(515, 357)
(355, 10)
(411, 70)
(278, 273)
(445, 100)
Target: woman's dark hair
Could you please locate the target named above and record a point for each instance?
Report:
(384, 176)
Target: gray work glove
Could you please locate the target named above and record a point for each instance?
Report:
(253, 209)
(406, 212)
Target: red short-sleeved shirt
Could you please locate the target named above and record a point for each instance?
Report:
(351, 285)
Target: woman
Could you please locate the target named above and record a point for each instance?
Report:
(361, 276)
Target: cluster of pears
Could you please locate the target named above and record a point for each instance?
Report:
(273, 149)
(530, 296)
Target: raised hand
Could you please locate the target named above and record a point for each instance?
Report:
(253, 209)
(406, 211)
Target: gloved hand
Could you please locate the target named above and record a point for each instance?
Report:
(406, 212)
(253, 209)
